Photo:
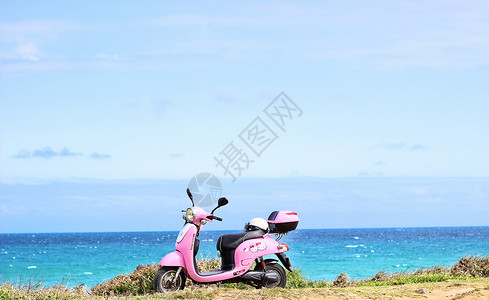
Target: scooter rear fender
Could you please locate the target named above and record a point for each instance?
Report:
(173, 259)
(251, 249)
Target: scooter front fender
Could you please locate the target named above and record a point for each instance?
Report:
(173, 259)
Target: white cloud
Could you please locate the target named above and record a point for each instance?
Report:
(226, 95)
(432, 34)
(46, 27)
(401, 146)
(393, 35)
(161, 106)
(96, 155)
(23, 43)
(385, 34)
(107, 57)
(26, 51)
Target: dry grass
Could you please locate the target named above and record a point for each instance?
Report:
(10, 291)
(478, 288)
(474, 266)
(208, 264)
(341, 280)
(139, 284)
(140, 281)
(466, 267)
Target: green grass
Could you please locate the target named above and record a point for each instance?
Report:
(297, 280)
(412, 279)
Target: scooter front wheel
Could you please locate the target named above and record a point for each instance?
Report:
(167, 280)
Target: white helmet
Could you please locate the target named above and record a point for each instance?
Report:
(257, 223)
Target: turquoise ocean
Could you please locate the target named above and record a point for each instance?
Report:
(89, 258)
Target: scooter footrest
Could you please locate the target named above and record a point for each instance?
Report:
(211, 273)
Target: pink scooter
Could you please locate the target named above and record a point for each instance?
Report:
(238, 251)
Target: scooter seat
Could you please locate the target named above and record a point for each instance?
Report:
(233, 240)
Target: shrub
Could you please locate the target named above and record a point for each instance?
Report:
(140, 281)
(341, 280)
(474, 266)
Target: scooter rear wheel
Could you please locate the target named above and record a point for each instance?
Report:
(274, 267)
(166, 280)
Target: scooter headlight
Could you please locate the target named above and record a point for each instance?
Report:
(189, 215)
(203, 222)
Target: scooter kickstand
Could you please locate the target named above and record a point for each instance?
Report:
(263, 265)
(176, 275)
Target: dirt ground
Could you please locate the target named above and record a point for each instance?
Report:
(449, 290)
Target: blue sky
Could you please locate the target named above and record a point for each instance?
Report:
(103, 91)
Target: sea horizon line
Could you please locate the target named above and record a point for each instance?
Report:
(176, 231)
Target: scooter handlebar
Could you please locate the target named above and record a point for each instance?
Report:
(215, 218)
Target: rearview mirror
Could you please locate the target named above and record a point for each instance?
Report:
(221, 202)
(189, 194)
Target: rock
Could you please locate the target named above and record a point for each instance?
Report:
(420, 291)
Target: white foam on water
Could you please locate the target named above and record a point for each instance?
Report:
(31, 267)
(87, 273)
(351, 246)
(356, 237)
